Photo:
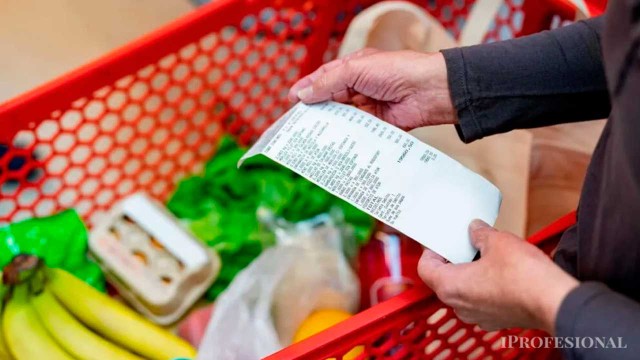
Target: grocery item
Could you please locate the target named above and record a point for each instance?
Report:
(319, 278)
(265, 304)
(193, 326)
(114, 320)
(77, 339)
(221, 205)
(45, 237)
(4, 348)
(321, 320)
(392, 26)
(65, 318)
(156, 265)
(387, 266)
(24, 333)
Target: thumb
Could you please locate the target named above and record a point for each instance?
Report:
(430, 268)
(480, 233)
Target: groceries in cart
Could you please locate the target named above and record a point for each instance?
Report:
(226, 234)
(387, 266)
(159, 267)
(266, 305)
(220, 206)
(277, 253)
(49, 294)
(321, 320)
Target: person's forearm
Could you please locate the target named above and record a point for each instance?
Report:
(593, 313)
(543, 79)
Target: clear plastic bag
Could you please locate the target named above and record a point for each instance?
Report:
(266, 303)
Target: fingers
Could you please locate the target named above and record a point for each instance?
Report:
(330, 81)
(481, 234)
(307, 81)
(334, 84)
(361, 100)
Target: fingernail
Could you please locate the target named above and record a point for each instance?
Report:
(477, 224)
(305, 93)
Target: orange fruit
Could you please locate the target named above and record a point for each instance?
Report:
(320, 320)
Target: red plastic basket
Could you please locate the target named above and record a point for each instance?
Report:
(150, 113)
(416, 325)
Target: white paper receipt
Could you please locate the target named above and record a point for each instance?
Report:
(385, 172)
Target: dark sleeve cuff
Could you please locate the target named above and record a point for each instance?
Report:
(468, 127)
(537, 80)
(574, 303)
(593, 311)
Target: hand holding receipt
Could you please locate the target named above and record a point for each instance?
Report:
(385, 172)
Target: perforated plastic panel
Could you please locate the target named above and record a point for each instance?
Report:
(416, 325)
(508, 22)
(225, 70)
(150, 128)
(434, 332)
(452, 14)
(150, 113)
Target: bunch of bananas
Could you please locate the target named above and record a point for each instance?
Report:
(54, 315)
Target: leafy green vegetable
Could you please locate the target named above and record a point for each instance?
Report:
(220, 207)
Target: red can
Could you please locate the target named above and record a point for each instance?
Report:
(387, 266)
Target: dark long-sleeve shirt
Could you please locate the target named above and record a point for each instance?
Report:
(588, 70)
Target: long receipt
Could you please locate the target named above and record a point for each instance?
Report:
(385, 172)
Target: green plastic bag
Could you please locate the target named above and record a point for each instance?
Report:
(60, 240)
(221, 207)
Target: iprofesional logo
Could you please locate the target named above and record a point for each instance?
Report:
(547, 342)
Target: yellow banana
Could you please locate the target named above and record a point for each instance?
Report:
(4, 350)
(114, 320)
(78, 340)
(25, 335)
(5, 354)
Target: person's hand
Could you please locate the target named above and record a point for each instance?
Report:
(405, 88)
(513, 284)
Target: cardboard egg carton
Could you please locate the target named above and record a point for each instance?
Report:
(156, 265)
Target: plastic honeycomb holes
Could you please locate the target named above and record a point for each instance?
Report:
(452, 14)
(439, 335)
(149, 129)
(508, 22)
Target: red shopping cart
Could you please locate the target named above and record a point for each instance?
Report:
(150, 113)
(415, 325)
